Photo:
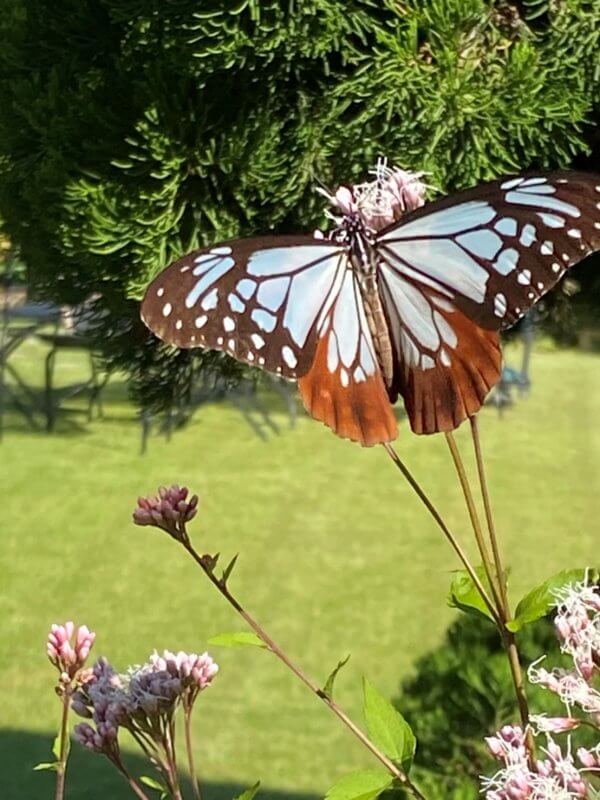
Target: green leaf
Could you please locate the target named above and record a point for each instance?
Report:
(387, 727)
(56, 747)
(466, 596)
(228, 569)
(328, 688)
(249, 793)
(539, 601)
(152, 783)
(237, 639)
(53, 765)
(365, 784)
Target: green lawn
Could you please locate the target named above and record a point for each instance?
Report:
(337, 557)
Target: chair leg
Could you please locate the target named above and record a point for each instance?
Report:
(49, 391)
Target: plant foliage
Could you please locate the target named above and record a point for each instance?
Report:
(134, 130)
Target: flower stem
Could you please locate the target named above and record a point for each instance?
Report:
(475, 523)
(444, 528)
(221, 586)
(187, 722)
(508, 637)
(488, 514)
(133, 784)
(61, 770)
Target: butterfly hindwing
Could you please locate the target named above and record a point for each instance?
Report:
(344, 387)
(496, 249)
(258, 299)
(445, 364)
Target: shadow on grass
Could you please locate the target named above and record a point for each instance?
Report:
(90, 777)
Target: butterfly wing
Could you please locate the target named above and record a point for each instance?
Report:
(445, 364)
(344, 387)
(496, 249)
(258, 299)
(458, 270)
(290, 305)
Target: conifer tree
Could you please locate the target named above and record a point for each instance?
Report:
(134, 130)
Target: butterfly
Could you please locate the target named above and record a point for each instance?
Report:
(368, 314)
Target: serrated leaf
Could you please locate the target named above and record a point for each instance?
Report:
(365, 784)
(237, 639)
(466, 596)
(387, 727)
(249, 793)
(53, 765)
(328, 688)
(539, 601)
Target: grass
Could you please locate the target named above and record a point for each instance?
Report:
(337, 557)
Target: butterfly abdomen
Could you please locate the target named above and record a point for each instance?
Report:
(379, 328)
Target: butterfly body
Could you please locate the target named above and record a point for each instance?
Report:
(373, 311)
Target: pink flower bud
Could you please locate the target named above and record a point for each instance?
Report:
(68, 649)
(588, 758)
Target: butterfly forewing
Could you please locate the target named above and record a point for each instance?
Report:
(496, 249)
(258, 299)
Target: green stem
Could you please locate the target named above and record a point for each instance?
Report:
(271, 645)
(475, 523)
(444, 528)
(61, 771)
(508, 638)
(187, 721)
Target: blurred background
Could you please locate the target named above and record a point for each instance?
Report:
(132, 131)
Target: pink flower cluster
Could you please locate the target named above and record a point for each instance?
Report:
(140, 701)
(555, 777)
(68, 648)
(170, 510)
(380, 202)
(578, 627)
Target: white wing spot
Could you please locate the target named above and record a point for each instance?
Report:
(160, 292)
(257, 341)
(289, 356)
(427, 362)
(246, 288)
(167, 308)
(511, 184)
(200, 322)
(220, 340)
(533, 181)
(184, 269)
(531, 295)
(507, 226)
(359, 375)
(264, 320)
(235, 304)
(250, 356)
(500, 305)
(597, 226)
(552, 220)
(231, 345)
(210, 301)
(547, 248)
(566, 257)
(221, 251)
(228, 324)
(556, 267)
(179, 324)
(333, 358)
(527, 235)
(445, 330)
(445, 358)
(540, 285)
(524, 277)
(344, 378)
(507, 261)
(574, 233)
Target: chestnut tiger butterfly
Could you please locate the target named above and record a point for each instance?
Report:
(370, 313)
